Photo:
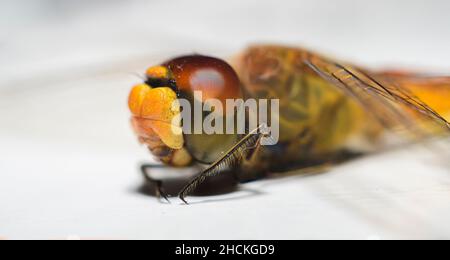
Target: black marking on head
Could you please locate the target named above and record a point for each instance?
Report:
(162, 82)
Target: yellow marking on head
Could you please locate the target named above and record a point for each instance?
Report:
(159, 72)
(157, 108)
(137, 96)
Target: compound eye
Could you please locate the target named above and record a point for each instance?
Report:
(212, 76)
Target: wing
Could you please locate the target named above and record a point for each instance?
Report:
(394, 106)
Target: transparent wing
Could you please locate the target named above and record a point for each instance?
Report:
(395, 107)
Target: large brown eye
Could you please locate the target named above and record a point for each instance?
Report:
(214, 77)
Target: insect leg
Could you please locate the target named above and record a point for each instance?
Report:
(158, 183)
(232, 157)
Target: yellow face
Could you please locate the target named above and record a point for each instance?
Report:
(156, 109)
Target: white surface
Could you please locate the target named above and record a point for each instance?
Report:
(68, 158)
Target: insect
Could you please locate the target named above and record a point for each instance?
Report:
(328, 110)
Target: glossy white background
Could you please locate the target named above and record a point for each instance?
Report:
(68, 158)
